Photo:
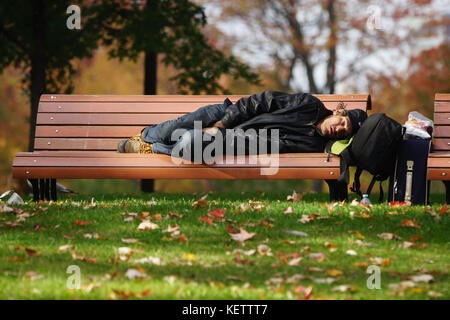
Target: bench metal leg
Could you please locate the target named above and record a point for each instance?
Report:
(338, 190)
(447, 190)
(35, 185)
(53, 189)
(41, 189)
(47, 189)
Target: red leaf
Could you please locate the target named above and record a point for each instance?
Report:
(217, 213)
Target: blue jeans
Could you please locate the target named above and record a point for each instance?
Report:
(160, 134)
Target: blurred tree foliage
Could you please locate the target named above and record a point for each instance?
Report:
(36, 39)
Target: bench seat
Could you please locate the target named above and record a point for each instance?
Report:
(76, 137)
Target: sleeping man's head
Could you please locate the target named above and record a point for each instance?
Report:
(342, 124)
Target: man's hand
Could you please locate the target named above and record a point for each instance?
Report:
(219, 124)
(213, 130)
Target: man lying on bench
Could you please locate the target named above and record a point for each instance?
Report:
(296, 123)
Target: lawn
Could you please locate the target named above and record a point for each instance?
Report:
(224, 246)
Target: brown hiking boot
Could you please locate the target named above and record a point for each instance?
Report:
(134, 144)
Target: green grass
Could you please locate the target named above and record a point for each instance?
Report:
(201, 268)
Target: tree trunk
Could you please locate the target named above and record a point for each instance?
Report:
(150, 73)
(38, 66)
(332, 42)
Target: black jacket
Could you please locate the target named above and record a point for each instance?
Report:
(294, 115)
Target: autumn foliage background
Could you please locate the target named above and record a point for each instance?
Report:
(396, 92)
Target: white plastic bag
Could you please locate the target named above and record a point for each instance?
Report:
(417, 125)
(14, 199)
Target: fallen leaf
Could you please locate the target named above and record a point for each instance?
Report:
(295, 232)
(334, 272)
(66, 247)
(295, 197)
(305, 219)
(189, 256)
(131, 240)
(83, 258)
(388, 236)
(344, 288)
(303, 291)
(242, 235)
(443, 209)
(406, 245)
(365, 244)
(319, 256)
(147, 225)
(294, 262)
(201, 203)
(379, 261)
(208, 220)
(149, 260)
(217, 213)
(157, 216)
(410, 223)
(415, 238)
(427, 278)
(324, 280)
(351, 252)
(31, 252)
(264, 250)
(289, 210)
(357, 234)
(82, 223)
(134, 273)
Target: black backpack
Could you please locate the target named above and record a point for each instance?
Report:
(373, 149)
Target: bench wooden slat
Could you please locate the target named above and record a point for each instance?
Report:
(442, 118)
(442, 106)
(172, 173)
(439, 174)
(192, 98)
(168, 162)
(438, 162)
(442, 131)
(109, 154)
(149, 107)
(104, 118)
(88, 131)
(441, 144)
(442, 96)
(75, 144)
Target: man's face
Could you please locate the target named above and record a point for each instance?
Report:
(336, 127)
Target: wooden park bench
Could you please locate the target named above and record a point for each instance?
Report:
(77, 137)
(439, 158)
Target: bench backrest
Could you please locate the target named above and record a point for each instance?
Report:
(99, 122)
(441, 141)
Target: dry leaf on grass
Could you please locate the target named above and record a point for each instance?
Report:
(388, 236)
(289, 210)
(410, 223)
(295, 232)
(135, 273)
(147, 225)
(201, 203)
(242, 235)
(66, 247)
(295, 197)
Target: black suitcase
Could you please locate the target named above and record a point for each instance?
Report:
(409, 183)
